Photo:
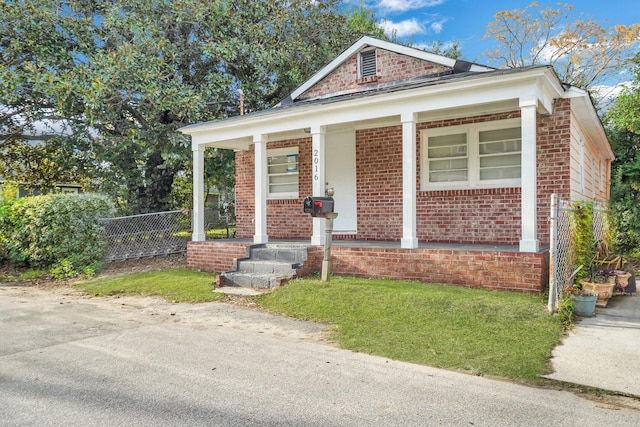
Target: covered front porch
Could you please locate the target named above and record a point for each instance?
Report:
(501, 267)
(318, 139)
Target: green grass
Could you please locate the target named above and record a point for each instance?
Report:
(493, 333)
(178, 284)
(485, 332)
(214, 233)
(20, 276)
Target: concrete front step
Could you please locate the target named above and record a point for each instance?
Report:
(266, 267)
(283, 253)
(252, 280)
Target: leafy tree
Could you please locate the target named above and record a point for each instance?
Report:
(623, 129)
(363, 21)
(449, 50)
(124, 75)
(582, 52)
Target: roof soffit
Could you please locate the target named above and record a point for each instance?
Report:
(464, 95)
(584, 110)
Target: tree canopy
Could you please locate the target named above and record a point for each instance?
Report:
(623, 128)
(583, 52)
(122, 76)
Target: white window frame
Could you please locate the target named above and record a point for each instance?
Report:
(473, 156)
(278, 152)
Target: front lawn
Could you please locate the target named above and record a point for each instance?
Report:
(485, 332)
(174, 284)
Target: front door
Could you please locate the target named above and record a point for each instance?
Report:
(340, 168)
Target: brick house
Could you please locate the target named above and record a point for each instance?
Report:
(443, 170)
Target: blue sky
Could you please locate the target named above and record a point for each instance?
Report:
(425, 21)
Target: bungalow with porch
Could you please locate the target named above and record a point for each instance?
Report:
(442, 169)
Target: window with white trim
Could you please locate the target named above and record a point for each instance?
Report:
(478, 155)
(282, 173)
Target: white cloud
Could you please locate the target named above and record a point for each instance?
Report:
(404, 28)
(606, 95)
(437, 26)
(405, 5)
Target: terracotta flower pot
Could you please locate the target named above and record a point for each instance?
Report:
(622, 278)
(604, 291)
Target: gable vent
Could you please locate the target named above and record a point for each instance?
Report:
(368, 66)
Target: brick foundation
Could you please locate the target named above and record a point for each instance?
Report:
(215, 257)
(512, 271)
(508, 271)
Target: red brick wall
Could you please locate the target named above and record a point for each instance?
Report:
(214, 256)
(471, 216)
(512, 271)
(379, 183)
(391, 67)
(464, 216)
(245, 190)
(394, 66)
(285, 219)
(554, 169)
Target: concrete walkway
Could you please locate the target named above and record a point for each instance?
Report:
(603, 351)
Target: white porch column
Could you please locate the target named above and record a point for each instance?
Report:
(409, 168)
(198, 194)
(318, 147)
(529, 241)
(260, 180)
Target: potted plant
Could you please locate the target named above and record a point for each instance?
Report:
(584, 301)
(622, 278)
(600, 281)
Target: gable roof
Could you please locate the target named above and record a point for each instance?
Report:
(470, 83)
(368, 42)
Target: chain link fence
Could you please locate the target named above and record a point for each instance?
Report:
(562, 253)
(146, 235)
(160, 233)
(600, 222)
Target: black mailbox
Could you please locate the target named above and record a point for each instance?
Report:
(315, 205)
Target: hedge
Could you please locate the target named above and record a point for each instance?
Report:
(61, 232)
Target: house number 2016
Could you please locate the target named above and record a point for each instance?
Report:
(316, 165)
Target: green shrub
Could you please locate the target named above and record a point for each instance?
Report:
(582, 236)
(59, 231)
(4, 212)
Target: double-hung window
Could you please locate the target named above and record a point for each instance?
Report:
(477, 155)
(448, 158)
(500, 154)
(282, 173)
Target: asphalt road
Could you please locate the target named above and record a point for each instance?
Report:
(67, 359)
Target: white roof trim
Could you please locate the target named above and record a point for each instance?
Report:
(589, 119)
(368, 41)
(237, 132)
